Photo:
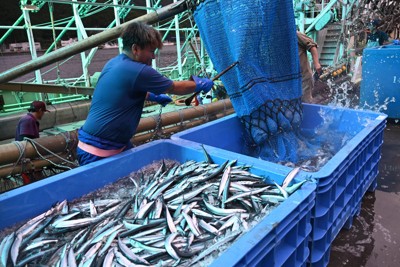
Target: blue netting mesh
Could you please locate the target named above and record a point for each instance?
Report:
(265, 86)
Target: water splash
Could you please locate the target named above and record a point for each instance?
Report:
(313, 149)
(379, 107)
(345, 94)
(342, 94)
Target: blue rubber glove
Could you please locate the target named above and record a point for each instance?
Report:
(202, 84)
(162, 99)
(396, 42)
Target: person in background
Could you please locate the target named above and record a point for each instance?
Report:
(125, 82)
(376, 37)
(305, 44)
(28, 125)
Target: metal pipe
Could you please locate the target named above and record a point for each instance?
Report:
(143, 138)
(92, 41)
(96, 4)
(117, 21)
(10, 153)
(60, 28)
(32, 46)
(178, 45)
(9, 31)
(320, 15)
(59, 37)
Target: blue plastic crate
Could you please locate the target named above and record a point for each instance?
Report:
(381, 73)
(341, 182)
(280, 239)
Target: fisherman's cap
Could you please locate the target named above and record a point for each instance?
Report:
(38, 105)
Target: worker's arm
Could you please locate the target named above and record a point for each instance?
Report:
(314, 53)
(182, 88)
(177, 88)
(196, 84)
(310, 45)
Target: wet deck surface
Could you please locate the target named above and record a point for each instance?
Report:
(374, 238)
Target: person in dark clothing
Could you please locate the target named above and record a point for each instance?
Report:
(125, 82)
(375, 36)
(28, 125)
(306, 44)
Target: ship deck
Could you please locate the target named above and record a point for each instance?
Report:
(374, 238)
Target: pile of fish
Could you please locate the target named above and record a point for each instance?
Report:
(175, 216)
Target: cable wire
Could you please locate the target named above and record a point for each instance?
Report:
(34, 143)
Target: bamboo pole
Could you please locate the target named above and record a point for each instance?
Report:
(36, 164)
(48, 88)
(174, 117)
(145, 137)
(138, 139)
(11, 153)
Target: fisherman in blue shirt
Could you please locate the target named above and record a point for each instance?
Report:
(126, 81)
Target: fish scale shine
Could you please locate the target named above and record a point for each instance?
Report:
(186, 205)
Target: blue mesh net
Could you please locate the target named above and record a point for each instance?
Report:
(265, 86)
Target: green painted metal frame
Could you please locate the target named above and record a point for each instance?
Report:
(185, 65)
(307, 14)
(306, 20)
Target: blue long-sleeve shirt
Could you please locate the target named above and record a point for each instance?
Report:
(118, 99)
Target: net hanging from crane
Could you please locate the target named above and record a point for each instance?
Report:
(265, 86)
